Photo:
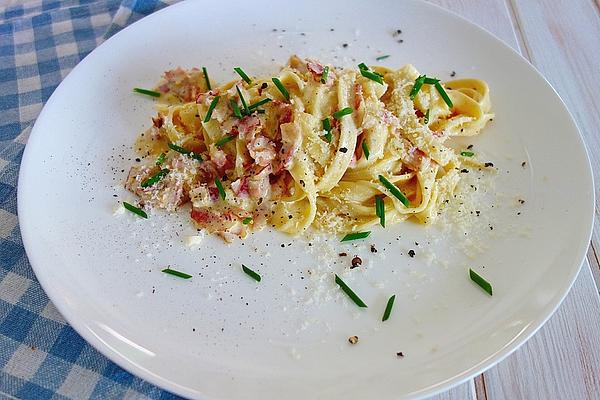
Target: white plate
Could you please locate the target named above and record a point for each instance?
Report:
(222, 336)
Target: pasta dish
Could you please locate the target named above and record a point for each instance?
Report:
(314, 146)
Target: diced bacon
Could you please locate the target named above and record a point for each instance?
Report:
(358, 95)
(175, 75)
(259, 184)
(262, 150)
(262, 87)
(204, 97)
(158, 121)
(240, 187)
(219, 157)
(248, 127)
(419, 113)
(164, 88)
(291, 139)
(315, 69)
(207, 171)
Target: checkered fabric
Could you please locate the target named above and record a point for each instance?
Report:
(41, 356)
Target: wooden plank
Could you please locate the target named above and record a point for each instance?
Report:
(562, 360)
(562, 42)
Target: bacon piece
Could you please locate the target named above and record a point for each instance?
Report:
(291, 139)
(262, 150)
(315, 69)
(259, 184)
(416, 158)
(158, 121)
(248, 127)
(219, 157)
(358, 95)
(240, 187)
(419, 113)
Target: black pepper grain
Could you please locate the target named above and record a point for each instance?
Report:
(356, 262)
(411, 253)
(353, 339)
(373, 249)
(343, 149)
(488, 164)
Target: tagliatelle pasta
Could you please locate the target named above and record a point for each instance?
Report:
(314, 146)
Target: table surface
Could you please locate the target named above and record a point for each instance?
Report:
(562, 40)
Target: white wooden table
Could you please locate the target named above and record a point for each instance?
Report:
(562, 40)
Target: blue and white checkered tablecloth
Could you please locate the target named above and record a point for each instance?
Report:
(41, 356)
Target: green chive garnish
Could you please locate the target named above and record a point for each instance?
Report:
(247, 220)
(365, 149)
(176, 273)
(181, 150)
(211, 108)
(353, 296)
(388, 308)
(364, 71)
(235, 108)
(485, 285)
(161, 159)
(444, 95)
(146, 92)
(325, 74)
(344, 111)
(243, 74)
(467, 153)
(135, 210)
(281, 88)
(155, 178)
(362, 66)
(381, 58)
(244, 104)
(206, 78)
(426, 119)
(417, 86)
(355, 236)
(220, 187)
(394, 190)
(380, 209)
(258, 103)
(251, 273)
(261, 111)
(224, 139)
(430, 81)
(327, 128)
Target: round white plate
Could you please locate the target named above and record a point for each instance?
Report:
(220, 335)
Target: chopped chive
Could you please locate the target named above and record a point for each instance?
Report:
(155, 178)
(355, 236)
(235, 108)
(365, 149)
(224, 139)
(388, 308)
(325, 74)
(181, 150)
(353, 296)
(444, 95)
(146, 92)
(281, 88)
(251, 273)
(380, 210)
(211, 108)
(381, 58)
(258, 103)
(485, 285)
(344, 111)
(364, 71)
(243, 74)
(426, 119)
(395, 191)
(417, 86)
(244, 104)
(247, 220)
(261, 111)
(467, 153)
(220, 187)
(135, 210)
(327, 128)
(176, 273)
(161, 159)
(430, 81)
(206, 79)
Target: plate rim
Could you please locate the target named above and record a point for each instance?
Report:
(134, 368)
